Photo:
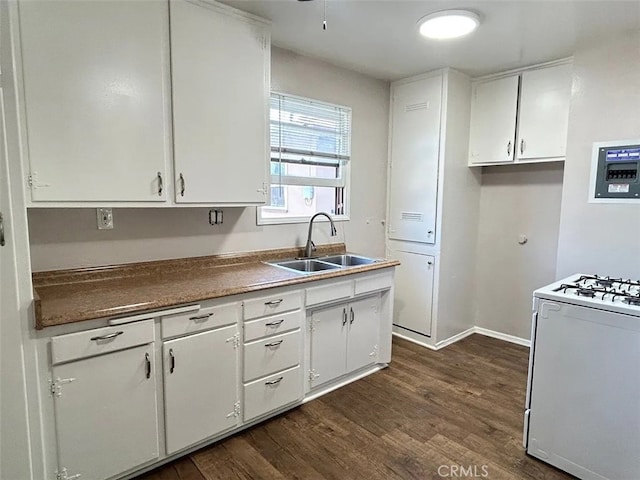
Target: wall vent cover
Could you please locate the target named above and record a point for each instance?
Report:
(411, 216)
(416, 106)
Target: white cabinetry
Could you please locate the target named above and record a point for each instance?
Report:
(493, 121)
(96, 99)
(415, 142)
(105, 404)
(429, 306)
(344, 338)
(220, 72)
(414, 291)
(200, 386)
(273, 347)
(521, 117)
(544, 113)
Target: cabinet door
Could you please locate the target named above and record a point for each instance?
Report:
(364, 333)
(220, 70)
(329, 328)
(106, 413)
(96, 95)
(413, 292)
(200, 386)
(414, 160)
(544, 113)
(493, 121)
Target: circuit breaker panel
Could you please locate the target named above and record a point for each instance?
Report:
(616, 172)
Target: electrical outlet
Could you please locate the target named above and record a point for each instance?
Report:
(105, 218)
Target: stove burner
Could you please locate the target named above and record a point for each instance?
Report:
(632, 300)
(605, 282)
(586, 292)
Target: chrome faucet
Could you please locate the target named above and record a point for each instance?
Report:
(311, 247)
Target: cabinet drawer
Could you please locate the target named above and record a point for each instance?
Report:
(373, 283)
(264, 327)
(199, 320)
(272, 354)
(271, 393)
(329, 292)
(100, 340)
(282, 302)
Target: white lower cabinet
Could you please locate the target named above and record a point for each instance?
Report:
(414, 292)
(106, 413)
(200, 386)
(273, 392)
(344, 338)
(223, 366)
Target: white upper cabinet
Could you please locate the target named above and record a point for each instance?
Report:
(544, 113)
(521, 117)
(220, 72)
(96, 99)
(493, 121)
(415, 147)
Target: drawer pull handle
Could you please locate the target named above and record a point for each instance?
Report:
(274, 382)
(344, 317)
(273, 344)
(509, 149)
(201, 317)
(160, 184)
(106, 337)
(147, 361)
(275, 324)
(172, 364)
(353, 316)
(273, 303)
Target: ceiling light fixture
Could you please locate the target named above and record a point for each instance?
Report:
(448, 24)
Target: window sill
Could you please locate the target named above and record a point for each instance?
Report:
(286, 220)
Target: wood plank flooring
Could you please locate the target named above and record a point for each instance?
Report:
(424, 416)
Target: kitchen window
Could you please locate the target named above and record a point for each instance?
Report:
(310, 154)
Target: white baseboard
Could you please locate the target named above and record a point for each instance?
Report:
(503, 336)
(413, 340)
(456, 338)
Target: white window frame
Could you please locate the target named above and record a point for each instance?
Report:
(344, 182)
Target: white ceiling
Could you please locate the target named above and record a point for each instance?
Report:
(379, 37)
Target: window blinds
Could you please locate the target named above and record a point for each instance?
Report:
(307, 131)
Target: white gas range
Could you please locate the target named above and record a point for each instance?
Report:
(582, 411)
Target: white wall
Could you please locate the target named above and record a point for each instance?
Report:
(595, 238)
(67, 238)
(515, 200)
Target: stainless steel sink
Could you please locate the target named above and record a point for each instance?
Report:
(348, 260)
(305, 266)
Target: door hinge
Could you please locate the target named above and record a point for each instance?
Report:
(55, 386)
(312, 327)
(33, 183)
(236, 410)
(64, 475)
(264, 189)
(313, 375)
(235, 340)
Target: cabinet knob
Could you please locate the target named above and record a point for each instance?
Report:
(429, 262)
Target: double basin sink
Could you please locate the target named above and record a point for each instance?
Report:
(323, 264)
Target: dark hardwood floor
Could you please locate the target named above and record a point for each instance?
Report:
(424, 417)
